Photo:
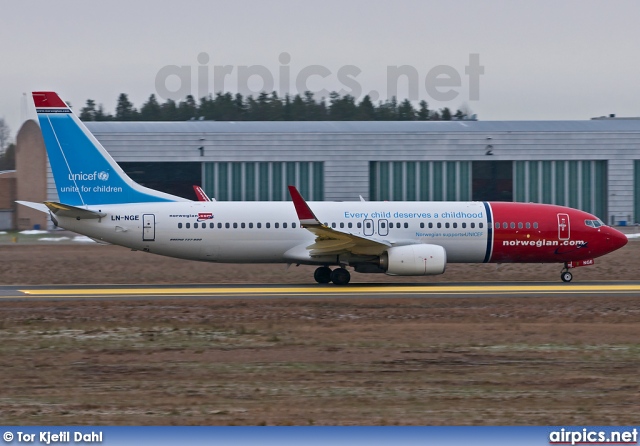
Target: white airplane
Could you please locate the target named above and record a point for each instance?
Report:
(99, 200)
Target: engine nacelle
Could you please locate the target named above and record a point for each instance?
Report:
(414, 260)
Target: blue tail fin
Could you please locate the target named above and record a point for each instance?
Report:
(84, 172)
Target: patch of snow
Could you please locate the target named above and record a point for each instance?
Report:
(82, 239)
(52, 239)
(33, 232)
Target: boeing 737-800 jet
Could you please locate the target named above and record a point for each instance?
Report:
(97, 199)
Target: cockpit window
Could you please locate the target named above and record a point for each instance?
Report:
(594, 223)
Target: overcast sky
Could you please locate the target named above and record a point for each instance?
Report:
(540, 60)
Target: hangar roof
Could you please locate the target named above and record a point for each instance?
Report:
(596, 125)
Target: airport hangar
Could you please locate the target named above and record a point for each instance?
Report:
(592, 165)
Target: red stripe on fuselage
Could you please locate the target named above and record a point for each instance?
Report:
(513, 241)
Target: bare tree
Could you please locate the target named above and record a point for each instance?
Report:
(5, 134)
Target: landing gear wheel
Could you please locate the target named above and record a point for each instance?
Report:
(340, 276)
(322, 274)
(566, 276)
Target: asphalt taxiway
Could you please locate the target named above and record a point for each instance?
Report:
(319, 291)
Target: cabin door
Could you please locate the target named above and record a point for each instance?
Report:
(564, 229)
(148, 227)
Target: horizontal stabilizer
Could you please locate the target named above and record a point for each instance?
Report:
(64, 210)
(37, 206)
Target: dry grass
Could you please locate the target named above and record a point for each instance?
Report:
(287, 361)
(537, 360)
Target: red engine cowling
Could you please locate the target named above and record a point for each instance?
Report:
(414, 260)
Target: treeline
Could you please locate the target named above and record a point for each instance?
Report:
(269, 107)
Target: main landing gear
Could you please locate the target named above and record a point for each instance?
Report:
(566, 276)
(339, 276)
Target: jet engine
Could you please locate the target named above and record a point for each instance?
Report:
(414, 260)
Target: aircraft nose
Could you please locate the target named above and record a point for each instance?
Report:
(616, 239)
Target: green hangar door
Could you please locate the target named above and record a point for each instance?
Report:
(580, 184)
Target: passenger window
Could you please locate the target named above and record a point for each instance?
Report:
(439, 225)
(204, 226)
(333, 225)
(430, 225)
(284, 225)
(250, 225)
(398, 225)
(368, 225)
(341, 225)
(359, 225)
(446, 225)
(512, 225)
(293, 225)
(188, 225)
(195, 225)
(235, 226)
(350, 225)
(383, 225)
(242, 225)
(535, 225)
(258, 225)
(455, 225)
(227, 225)
(473, 225)
(267, 225)
(520, 225)
(406, 225)
(528, 225)
(497, 225)
(480, 225)
(276, 225)
(464, 225)
(211, 225)
(421, 225)
(179, 225)
(219, 225)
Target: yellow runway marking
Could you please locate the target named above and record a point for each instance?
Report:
(357, 289)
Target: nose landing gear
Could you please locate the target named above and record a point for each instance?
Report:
(566, 276)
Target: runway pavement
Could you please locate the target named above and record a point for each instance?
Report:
(302, 291)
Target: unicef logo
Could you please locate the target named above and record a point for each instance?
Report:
(104, 176)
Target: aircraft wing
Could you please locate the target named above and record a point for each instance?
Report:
(329, 240)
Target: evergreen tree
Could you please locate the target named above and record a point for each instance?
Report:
(423, 113)
(446, 114)
(169, 111)
(150, 110)
(8, 158)
(366, 109)
(287, 108)
(124, 109)
(342, 108)
(88, 112)
(187, 109)
(387, 110)
(299, 111)
(406, 112)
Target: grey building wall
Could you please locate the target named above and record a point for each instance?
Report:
(347, 148)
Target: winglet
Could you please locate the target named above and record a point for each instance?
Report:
(202, 196)
(305, 214)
